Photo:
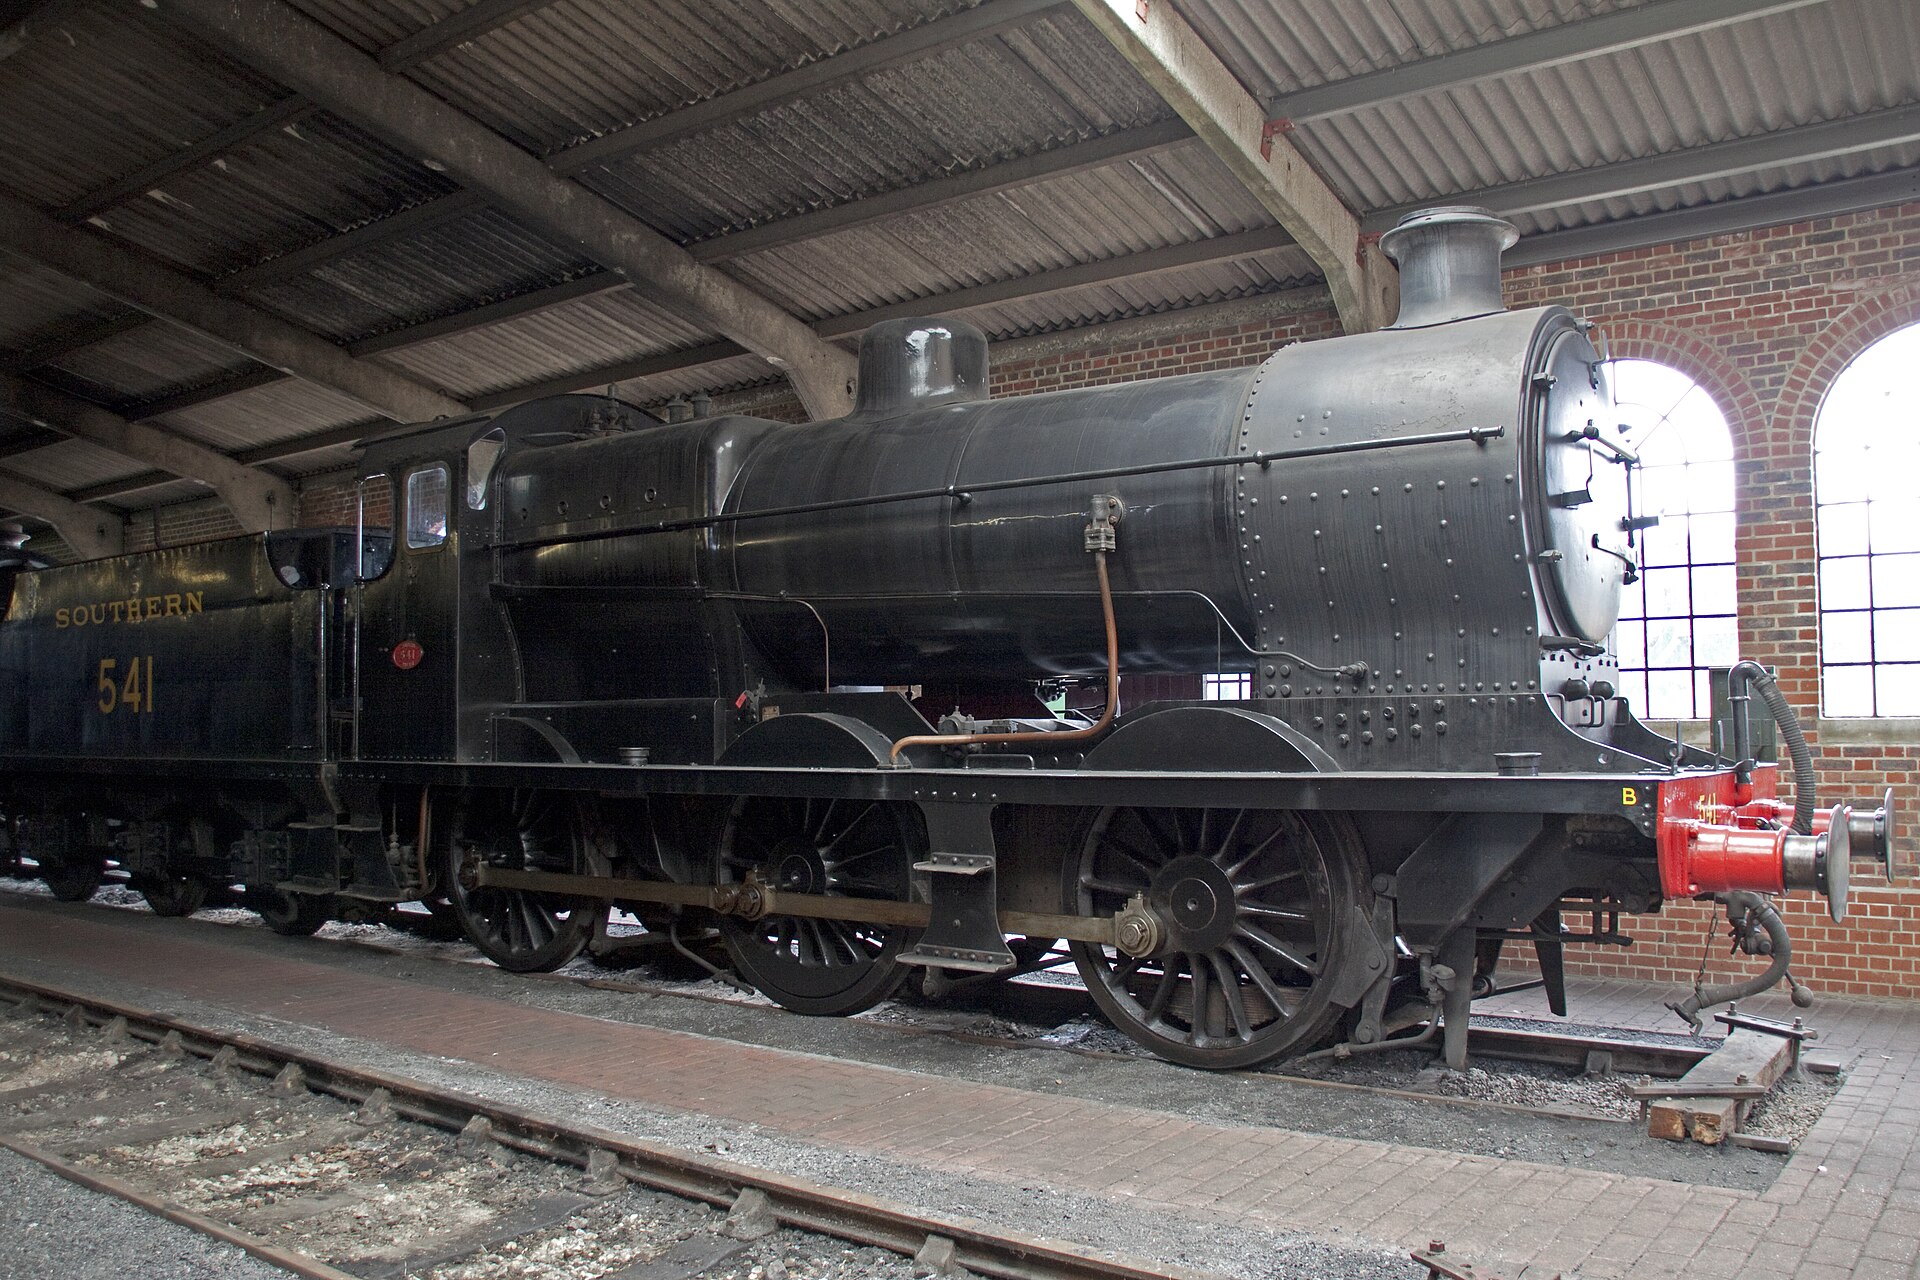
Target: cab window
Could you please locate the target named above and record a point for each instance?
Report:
(482, 456)
(427, 507)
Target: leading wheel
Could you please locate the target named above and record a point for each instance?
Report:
(173, 895)
(1246, 900)
(291, 915)
(834, 848)
(73, 878)
(519, 831)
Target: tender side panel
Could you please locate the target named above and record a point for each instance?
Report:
(192, 651)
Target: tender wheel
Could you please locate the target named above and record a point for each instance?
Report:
(75, 878)
(839, 848)
(519, 831)
(292, 915)
(174, 895)
(1246, 900)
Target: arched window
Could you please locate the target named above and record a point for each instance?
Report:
(1866, 455)
(1678, 619)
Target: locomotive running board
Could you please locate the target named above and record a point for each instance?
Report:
(754, 900)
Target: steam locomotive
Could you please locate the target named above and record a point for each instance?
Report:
(846, 696)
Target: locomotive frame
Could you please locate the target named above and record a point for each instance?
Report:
(594, 661)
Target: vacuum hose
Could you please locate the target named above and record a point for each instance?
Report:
(1748, 912)
(1752, 674)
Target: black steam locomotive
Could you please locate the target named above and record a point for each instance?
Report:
(848, 695)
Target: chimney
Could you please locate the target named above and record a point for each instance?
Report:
(915, 363)
(1449, 260)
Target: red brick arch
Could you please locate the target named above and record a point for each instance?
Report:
(1828, 354)
(1702, 361)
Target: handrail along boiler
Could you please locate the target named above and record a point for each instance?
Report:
(776, 687)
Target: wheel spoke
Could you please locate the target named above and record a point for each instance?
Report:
(1231, 996)
(1271, 913)
(1267, 882)
(1097, 884)
(1267, 942)
(859, 818)
(1231, 837)
(1163, 994)
(852, 858)
(1150, 823)
(1200, 993)
(1132, 856)
(1257, 972)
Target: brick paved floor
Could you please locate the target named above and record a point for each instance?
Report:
(1847, 1203)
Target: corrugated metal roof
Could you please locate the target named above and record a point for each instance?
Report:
(72, 464)
(1817, 63)
(281, 190)
(147, 363)
(277, 412)
(953, 110)
(1175, 198)
(582, 68)
(1277, 46)
(37, 301)
(430, 273)
(111, 90)
(107, 90)
(583, 335)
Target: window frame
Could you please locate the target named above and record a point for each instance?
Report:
(1859, 726)
(431, 539)
(1694, 564)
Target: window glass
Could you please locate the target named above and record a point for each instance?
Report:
(1678, 619)
(1866, 452)
(1229, 686)
(482, 456)
(427, 507)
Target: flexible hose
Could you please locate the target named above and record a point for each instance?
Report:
(1804, 802)
(1797, 750)
(1743, 904)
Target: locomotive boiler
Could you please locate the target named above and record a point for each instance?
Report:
(784, 685)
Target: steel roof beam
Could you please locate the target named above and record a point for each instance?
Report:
(1534, 51)
(206, 393)
(1084, 275)
(278, 40)
(989, 18)
(170, 295)
(481, 18)
(1005, 175)
(1677, 226)
(590, 285)
(258, 499)
(469, 24)
(1799, 145)
(416, 218)
(69, 337)
(91, 532)
(275, 115)
(1193, 80)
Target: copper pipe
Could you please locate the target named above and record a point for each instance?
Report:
(1045, 735)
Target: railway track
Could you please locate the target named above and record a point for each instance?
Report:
(155, 1096)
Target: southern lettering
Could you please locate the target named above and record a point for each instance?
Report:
(175, 604)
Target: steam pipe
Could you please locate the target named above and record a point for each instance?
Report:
(1045, 735)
